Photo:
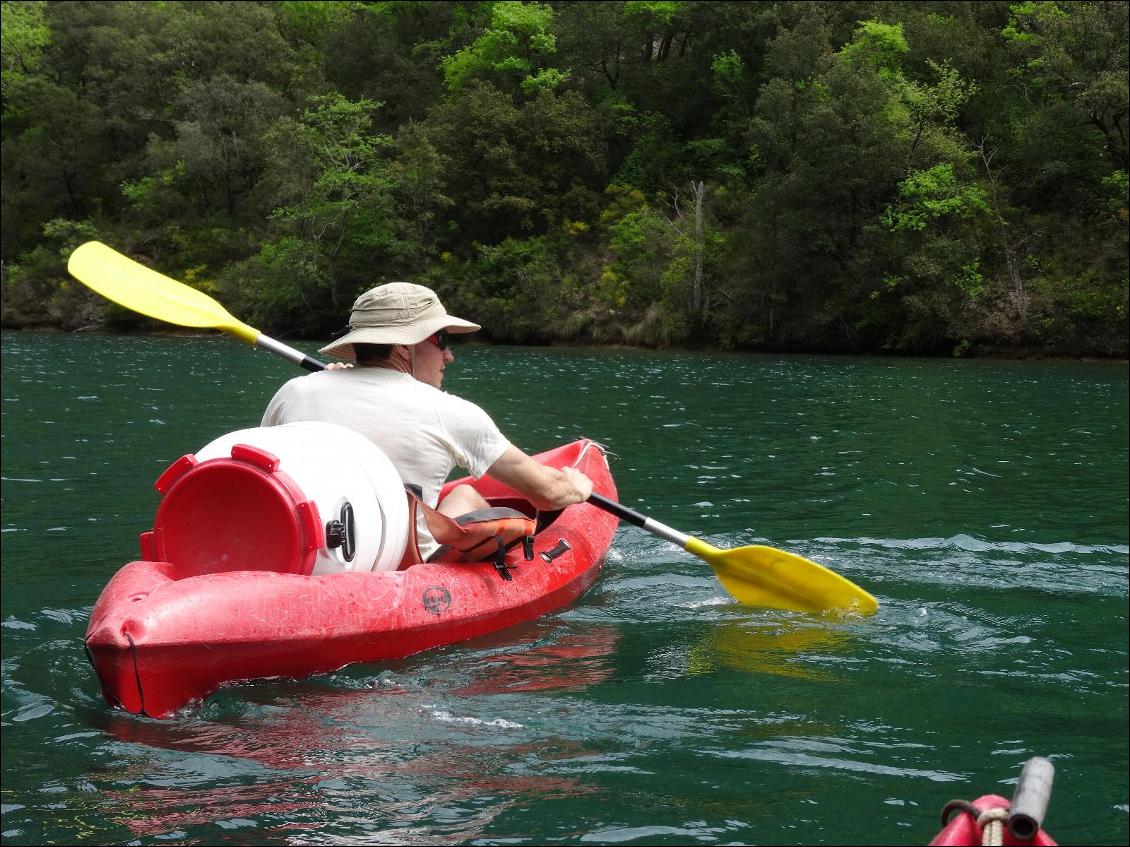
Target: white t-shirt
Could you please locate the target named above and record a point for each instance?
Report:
(425, 432)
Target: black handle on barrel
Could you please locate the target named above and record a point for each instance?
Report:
(1030, 800)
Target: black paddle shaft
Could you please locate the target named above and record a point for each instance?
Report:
(623, 512)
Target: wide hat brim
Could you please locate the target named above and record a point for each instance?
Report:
(412, 333)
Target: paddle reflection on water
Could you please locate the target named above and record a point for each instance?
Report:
(786, 650)
(386, 755)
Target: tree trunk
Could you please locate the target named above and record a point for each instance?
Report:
(698, 298)
(1020, 296)
(334, 298)
(1017, 284)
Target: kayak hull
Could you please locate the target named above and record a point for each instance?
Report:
(158, 643)
(963, 828)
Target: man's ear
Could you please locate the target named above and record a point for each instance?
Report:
(403, 353)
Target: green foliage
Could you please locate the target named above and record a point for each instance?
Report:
(513, 47)
(652, 12)
(282, 288)
(515, 288)
(931, 114)
(728, 68)
(655, 160)
(903, 176)
(311, 20)
(639, 243)
(24, 33)
(332, 187)
(1118, 187)
(38, 291)
(1075, 56)
(880, 46)
(925, 196)
(547, 79)
(520, 169)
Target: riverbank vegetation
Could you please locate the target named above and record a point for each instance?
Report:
(916, 177)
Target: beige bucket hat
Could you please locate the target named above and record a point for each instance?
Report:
(395, 313)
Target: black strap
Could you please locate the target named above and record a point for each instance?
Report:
(494, 513)
(958, 805)
(500, 559)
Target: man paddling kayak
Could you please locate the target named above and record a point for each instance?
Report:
(398, 337)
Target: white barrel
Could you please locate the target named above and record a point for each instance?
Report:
(335, 467)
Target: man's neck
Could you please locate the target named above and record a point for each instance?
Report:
(401, 359)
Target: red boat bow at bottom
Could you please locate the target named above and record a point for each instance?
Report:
(993, 820)
(158, 642)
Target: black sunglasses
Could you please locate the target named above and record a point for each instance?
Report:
(439, 339)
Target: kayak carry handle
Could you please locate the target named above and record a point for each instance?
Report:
(1030, 800)
(561, 549)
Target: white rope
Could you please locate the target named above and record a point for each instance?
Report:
(991, 822)
(585, 449)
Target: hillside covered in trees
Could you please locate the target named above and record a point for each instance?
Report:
(911, 177)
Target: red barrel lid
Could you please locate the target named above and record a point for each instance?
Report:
(233, 514)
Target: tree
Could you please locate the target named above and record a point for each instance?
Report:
(24, 33)
(215, 158)
(515, 168)
(912, 176)
(513, 49)
(1076, 54)
(330, 179)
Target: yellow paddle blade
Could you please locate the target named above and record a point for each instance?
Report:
(765, 576)
(127, 283)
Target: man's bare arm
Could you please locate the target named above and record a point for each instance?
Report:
(547, 488)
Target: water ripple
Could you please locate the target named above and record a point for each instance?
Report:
(966, 542)
(990, 523)
(785, 756)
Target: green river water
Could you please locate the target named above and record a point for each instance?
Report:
(984, 503)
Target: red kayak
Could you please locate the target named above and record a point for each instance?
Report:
(162, 635)
(993, 820)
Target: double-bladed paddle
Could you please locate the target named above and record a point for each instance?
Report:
(131, 284)
(755, 575)
(758, 575)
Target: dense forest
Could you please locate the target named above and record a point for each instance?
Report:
(905, 177)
